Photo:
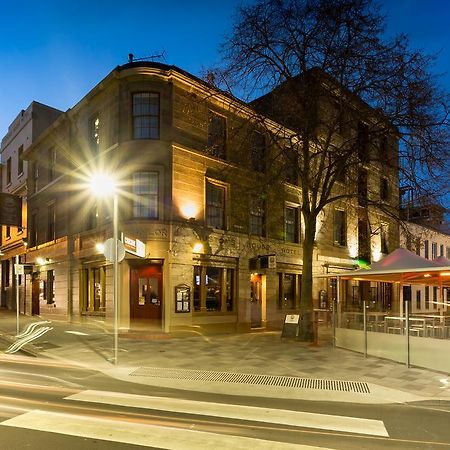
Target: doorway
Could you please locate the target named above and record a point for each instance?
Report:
(146, 297)
(256, 300)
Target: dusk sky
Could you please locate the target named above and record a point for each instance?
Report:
(54, 52)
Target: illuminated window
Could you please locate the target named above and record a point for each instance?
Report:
(145, 190)
(217, 135)
(215, 205)
(291, 224)
(146, 115)
(340, 228)
(257, 217)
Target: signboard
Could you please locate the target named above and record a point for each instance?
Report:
(182, 298)
(133, 246)
(291, 326)
(109, 250)
(19, 269)
(10, 210)
(263, 262)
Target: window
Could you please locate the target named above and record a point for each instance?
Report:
(362, 187)
(433, 250)
(215, 205)
(214, 289)
(216, 135)
(33, 230)
(258, 152)
(51, 157)
(291, 169)
(8, 232)
(8, 171)
(146, 115)
(363, 241)
(145, 190)
(435, 297)
(94, 132)
(291, 224)
(257, 217)
(20, 160)
(383, 149)
(418, 246)
(441, 250)
(427, 297)
(36, 177)
(448, 253)
(384, 239)
(92, 218)
(418, 299)
(363, 142)
(289, 290)
(50, 287)
(51, 235)
(427, 249)
(340, 228)
(384, 189)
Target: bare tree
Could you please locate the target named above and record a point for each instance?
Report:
(347, 96)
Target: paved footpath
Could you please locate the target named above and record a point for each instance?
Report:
(254, 364)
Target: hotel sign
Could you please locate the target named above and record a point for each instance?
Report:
(133, 246)
(10, 210)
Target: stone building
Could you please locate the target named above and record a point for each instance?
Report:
(217, 252)
(22, 132)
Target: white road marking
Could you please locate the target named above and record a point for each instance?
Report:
(78, 333)
(141, 434)
(241, 412)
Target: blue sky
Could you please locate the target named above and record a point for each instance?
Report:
(56, 51)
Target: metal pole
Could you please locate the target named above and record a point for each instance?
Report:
(116, 277)
(407, 334)
(16, 269)
(365, 328)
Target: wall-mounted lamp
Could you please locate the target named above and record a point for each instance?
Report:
(42, 261)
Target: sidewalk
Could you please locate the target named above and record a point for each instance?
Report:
(252, 364)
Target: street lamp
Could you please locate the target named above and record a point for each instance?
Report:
(103, 185)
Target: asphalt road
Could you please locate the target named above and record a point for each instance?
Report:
(45, 405)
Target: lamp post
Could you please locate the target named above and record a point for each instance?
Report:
(102, 185)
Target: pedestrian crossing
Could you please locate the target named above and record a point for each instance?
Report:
(144, 434)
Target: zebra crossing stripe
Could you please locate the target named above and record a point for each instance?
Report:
(141, 434)
(241, 412)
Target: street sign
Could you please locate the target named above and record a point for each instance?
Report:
(109, 250)
(133, 246)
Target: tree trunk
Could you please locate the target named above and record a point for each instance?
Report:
(306, 301)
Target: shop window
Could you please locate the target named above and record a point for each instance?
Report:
(145, 198)
(289, 289)
(50, 287)
(215, 205)
(214, 289)
(258, 152)
(216, 135)
(418, 299)
(340, 228)
(146, 115)
(427, 297)
(257, 217)
(291, 224)
(435, 297)
(94, 289)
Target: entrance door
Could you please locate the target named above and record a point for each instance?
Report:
(35, 293)
(146, 297)
(255, 300)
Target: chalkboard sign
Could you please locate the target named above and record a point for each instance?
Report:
(290, 326)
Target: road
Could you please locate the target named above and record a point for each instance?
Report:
(45, 404)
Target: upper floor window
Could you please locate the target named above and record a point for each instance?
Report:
(427, 249)
(340, 227)
(258, 152)
(51, 163)
(146, 115)
(441, 250)
(434, 252)
(92, 218)
(94, 132)
(146, 192)
(291, 222)
(363, 141)
(215, 205)
(384, 189)
(8, 171)
(20, 160)
(362, 187)
(217, 135)
(384, 239)
(51, 220)
(8, 232)
(257, 217)
(33, 232)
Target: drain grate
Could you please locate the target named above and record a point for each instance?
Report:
(261, 380)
